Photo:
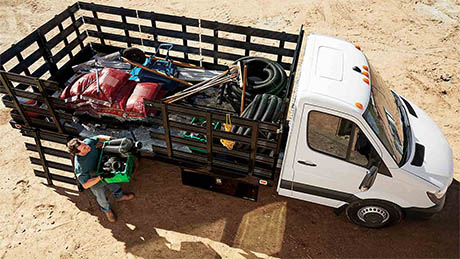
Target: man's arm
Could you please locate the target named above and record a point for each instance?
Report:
(103, 138)
(91, 182)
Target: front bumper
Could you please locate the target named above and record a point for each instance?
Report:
(425, 212)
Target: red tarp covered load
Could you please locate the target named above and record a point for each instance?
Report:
(116, 95)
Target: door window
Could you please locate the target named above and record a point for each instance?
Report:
(340, 138)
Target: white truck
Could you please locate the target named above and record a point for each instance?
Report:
(354, 143)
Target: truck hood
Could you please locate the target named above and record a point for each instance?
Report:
(433, 149)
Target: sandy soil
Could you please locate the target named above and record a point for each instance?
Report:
(414, 45)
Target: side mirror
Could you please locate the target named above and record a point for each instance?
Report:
(369, 179)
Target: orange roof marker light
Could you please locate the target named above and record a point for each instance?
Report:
(360, 106)
(366, 80)
(365, 68)
(366, 74)
(358, 47)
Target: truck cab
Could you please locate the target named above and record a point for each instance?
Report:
(354, 144)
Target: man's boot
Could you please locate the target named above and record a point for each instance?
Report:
(110, 216)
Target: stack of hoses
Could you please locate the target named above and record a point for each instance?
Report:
(264, 76)
(264, 107)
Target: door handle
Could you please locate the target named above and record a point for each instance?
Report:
(306, 163)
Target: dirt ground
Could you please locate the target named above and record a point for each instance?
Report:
(414, 45)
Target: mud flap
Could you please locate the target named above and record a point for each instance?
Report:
(227, 186)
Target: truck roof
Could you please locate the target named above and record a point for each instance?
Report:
(333, 75)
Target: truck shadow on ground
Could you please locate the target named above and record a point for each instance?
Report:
(170, 220)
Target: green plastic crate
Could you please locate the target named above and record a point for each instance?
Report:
(190, 136)
(120, 176)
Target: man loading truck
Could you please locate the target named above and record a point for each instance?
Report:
(86, 161)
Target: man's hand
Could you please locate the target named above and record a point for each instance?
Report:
(107, 175)
(99, 145)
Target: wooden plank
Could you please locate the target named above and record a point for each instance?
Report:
(114, 37)
(107, 9)
(27, 62)
(42, 160)
(248, 31)
(41, 111)
(57, 103)
(62, 36)
(164, 112)
(76, 28)
(51, 164)
(41, 124)
(66, 50)
(231, 136)
(24, 68)
(98, 27)
(30, 80)
(168, 18)
(51, 24)
(51, 111)
(47, 135)
(55, 177)
(246, 45)
(48, 151)
(18, 47)
(10, 90)
(123, 19)
(252, 155)
(259, 158)
(186, 127)
(209, 137)
(46, 53)
(112, 24)
(171, 33)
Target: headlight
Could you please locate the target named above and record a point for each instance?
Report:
(436, 197)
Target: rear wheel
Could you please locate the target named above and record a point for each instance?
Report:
(373, 213)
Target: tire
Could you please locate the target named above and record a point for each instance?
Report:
(134, 54)
(373, 213)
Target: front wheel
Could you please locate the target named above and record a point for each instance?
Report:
(373, 213)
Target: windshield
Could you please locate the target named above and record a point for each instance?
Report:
(384, 117)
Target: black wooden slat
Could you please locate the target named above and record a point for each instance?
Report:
(18, 47)
(27, 62)
(269, 144)
(41, 70)
(51, 110)
(45, 135)
(57, 19)
(29, 80)
(44, 112)
(46, 53)
(231, 136)
(51, 164)
(192, 157)
(164, 113)
(188, 142)
(24, 68)
(107, 9)
(112, 24)
(66, 50)
(8, 87)
(252, 152)
(41, 124)
(246, 122)
(170, 33)
(114, 37)
(248, 31)
(63, 35)
(187, 127)
(74, 24)
(231, 166)
(259, 158)
(246, 45)
(49, 151)
(57, 103)
(123, 19)
(56, 177)
(168, 18)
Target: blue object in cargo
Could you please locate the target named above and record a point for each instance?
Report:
(165, 66)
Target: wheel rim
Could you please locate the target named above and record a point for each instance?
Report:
(373, 214)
